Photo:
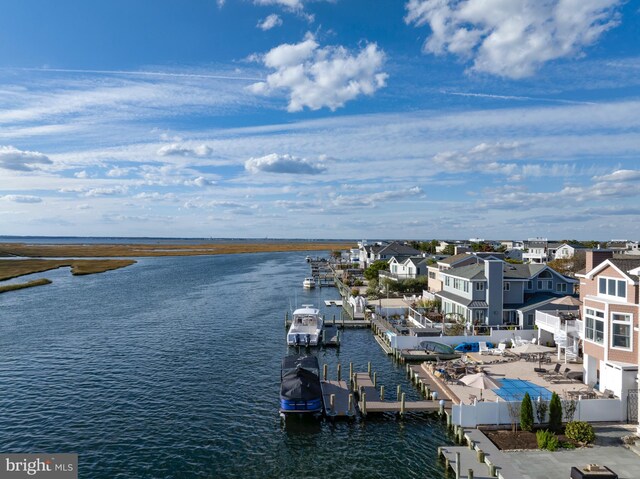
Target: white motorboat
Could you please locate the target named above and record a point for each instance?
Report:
(309, 283)
(306, 327)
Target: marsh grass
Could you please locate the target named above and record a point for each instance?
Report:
(144, 250)
(13, 268)
(28, 284)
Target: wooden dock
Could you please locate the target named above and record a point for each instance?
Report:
(372, 400)
(338, 399)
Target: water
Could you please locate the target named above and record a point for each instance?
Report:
(170, 368)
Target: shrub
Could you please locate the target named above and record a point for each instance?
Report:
(547, 440)
(555, 413)
(580, 431)
(526, 413)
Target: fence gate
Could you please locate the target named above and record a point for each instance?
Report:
(632, 406)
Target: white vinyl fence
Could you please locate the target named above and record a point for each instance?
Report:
(497, 413)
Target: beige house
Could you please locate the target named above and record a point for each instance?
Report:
(609, 290)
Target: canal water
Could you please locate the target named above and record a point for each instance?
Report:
(170, 368)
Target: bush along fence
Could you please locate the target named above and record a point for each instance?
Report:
(507, 413)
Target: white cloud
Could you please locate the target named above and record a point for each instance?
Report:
(270, 22)
(200, 181)
(620, 176)
(18, 160)
(290, 4)
(275, 163)
(484, 157)
(512, 38)
(106, 191)
(183, 150)
(374, 199)
(118, 172)
(22, 198)
(316, 77)
(81, 174)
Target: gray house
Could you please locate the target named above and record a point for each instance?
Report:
(497, 293)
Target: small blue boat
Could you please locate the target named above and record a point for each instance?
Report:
(470, 347)
(300, 390)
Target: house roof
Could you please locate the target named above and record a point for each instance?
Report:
(536, 244)
(510, 271)
(454, 297)
(395, 248)
(453, 259)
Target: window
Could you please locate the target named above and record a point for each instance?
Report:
(432, 275)
(506, 286)
(530, 319)
(447, 281)
(466, 286)
(594, 325)
(529, 284)
(561, 287)
(621, 331)
(479, 286)
(612, 287)
(539, 284)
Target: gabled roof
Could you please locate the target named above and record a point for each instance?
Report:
(397, 248)
(415, 260)
(623, 266)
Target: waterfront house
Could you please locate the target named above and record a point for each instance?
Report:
(455, 261)
(405, 268)
(535, 250)
(609, 291)
(564, 250)
(496, 293)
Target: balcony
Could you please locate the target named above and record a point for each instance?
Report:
(397, 276)
(560, 322)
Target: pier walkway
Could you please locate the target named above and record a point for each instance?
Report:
(481, 456)
(338, 399)
(372, 400)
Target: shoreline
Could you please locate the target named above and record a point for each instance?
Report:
(34, 256)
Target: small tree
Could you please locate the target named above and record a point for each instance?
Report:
(569, 409)
(526, 413)
(542, 407)
(372, 271)
(514, 414)
(555, 413)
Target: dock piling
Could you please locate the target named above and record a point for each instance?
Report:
(369, 368)
(492, 470)
(382, 392)
(339, 371)
(350, 403)
(350, 369)
(457, 470)
(402, 405)
(364, 404)
(375, 379)
(399, 390)
(470, 474)
(332, 402)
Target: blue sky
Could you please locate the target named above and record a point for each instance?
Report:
(320, 119)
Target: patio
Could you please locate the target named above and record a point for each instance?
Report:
(512, 368)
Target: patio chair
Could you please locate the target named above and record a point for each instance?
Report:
(554, 372)
(608, 394)
(482, 347)
(502, 347)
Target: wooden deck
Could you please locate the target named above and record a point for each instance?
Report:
(370, 400)
(342, 406)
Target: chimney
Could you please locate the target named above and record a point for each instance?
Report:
(493, 271)
(596, 256)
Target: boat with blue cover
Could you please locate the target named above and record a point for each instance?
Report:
(300, 390)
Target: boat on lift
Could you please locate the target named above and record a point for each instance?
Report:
(309, 283)
(306, 327)
(300, 390)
